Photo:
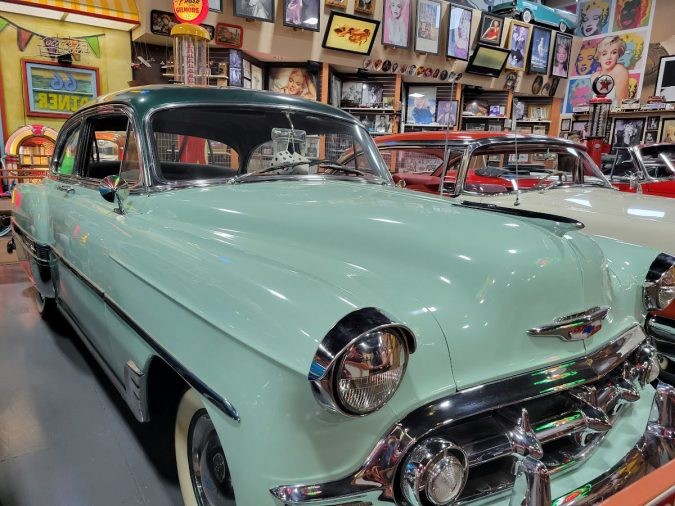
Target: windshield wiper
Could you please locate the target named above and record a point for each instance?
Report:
(328, 163)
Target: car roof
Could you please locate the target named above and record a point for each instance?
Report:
(146, 98)
(464, 137)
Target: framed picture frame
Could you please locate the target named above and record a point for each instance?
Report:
(652, 123)
(371, 95)
(446, 112)
(421, 105)
(351, 34)
(519, 42)
(665, 82)
(216, 5)
(459, 33)
(580, 127)
(562, 49)
(428, 26)
(490, 29)
(565, 124)
(256, 77)
(303, 14)
(364, 6)
(295, 81)
(383, 124)
(668, 130)
(228, 35)
(651, 136)
(540, 45)
(335, 90)
(78, 85)
(246, 65)
(261, 10)
(336, 4)
(351, 94)
(539, 129)
(627, 132)
(396, 16)
(487, 60)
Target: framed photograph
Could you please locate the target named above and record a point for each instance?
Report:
(562, 48)
(493, 110)
(540, 44)
(490, 29)
(627, 132)
(421, 105)
(352, 92)
(428, 26)
(651, 136)
(581, 128)
(292, 81)
(247, 69)
(371, 96)
(303, 14)
(78, 85)
(364, 6)
(352, 34)
(446, 112)
(665, 82)
(161, 23)
(565, 124)
(256, 77)
(539, 129)
(336, 4)
(459, 33)
(383, 124)
(216, 5)
(668, 130)
(652, 122)
(335, 90)
(229, 35)
(262, 10)
(396, 23)
(519, 41)
(476, 108)
(235, 77)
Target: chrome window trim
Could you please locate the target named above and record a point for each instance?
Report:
(636, 155)
(220, 402)
(379, 470)
(344, 334)
(155, 184)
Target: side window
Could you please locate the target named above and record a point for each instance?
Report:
(66, 161)
(112, 149)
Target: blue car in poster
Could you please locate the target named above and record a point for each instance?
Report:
(534, 10)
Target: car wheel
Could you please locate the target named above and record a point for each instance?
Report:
(562, 26)
(527, 16)
(46, 306)
(202, 469)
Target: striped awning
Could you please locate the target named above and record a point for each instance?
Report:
(121, 14)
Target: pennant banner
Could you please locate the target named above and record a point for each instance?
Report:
(23, 38)
(93, 42)
(3, 23)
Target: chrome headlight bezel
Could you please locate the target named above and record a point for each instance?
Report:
(658, 288)
(329, 358)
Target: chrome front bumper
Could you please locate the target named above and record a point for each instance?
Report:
(655, 448)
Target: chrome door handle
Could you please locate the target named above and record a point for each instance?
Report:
(64, 188)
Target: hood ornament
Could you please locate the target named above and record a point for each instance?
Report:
(574, 327)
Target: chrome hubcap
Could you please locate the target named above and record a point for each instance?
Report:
(208, 468)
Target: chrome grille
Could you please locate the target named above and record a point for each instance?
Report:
(563, 429)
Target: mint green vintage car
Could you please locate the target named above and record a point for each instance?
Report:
(323, 337)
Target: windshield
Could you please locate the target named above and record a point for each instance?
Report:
(659, 160)
(196, 143)
(500, 168)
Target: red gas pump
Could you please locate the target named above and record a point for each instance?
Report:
(598, 122)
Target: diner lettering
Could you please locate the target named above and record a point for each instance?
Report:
(59, 102)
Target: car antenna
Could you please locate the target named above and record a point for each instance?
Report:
(515, 139)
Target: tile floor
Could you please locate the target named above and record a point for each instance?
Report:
(66, 436)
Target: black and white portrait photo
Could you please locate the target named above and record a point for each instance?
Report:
(262, 10)
(382, 124)
(371, 95)
(627, 132)
(302, 14)
(351, 94)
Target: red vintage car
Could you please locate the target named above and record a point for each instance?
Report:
(647, 169)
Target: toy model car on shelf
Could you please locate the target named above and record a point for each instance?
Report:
(321, 336)
(648, 169)
(534, 11)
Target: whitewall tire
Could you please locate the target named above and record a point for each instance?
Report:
(527, 16)
(202, 469)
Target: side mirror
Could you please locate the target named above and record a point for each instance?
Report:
(114, 189)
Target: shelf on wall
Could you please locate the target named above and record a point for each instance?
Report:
(369, 109)
(427, 125)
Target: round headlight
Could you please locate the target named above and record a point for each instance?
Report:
(659, 289)
(370, 371)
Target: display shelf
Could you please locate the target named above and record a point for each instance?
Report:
(428, 125)
(369, 109)
(441, 93)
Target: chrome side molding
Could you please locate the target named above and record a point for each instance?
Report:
(574, 327)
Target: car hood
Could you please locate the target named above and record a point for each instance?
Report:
(634, 218)
(469, 280)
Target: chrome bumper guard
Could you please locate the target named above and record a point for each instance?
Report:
(662, 331)
(374, 482)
